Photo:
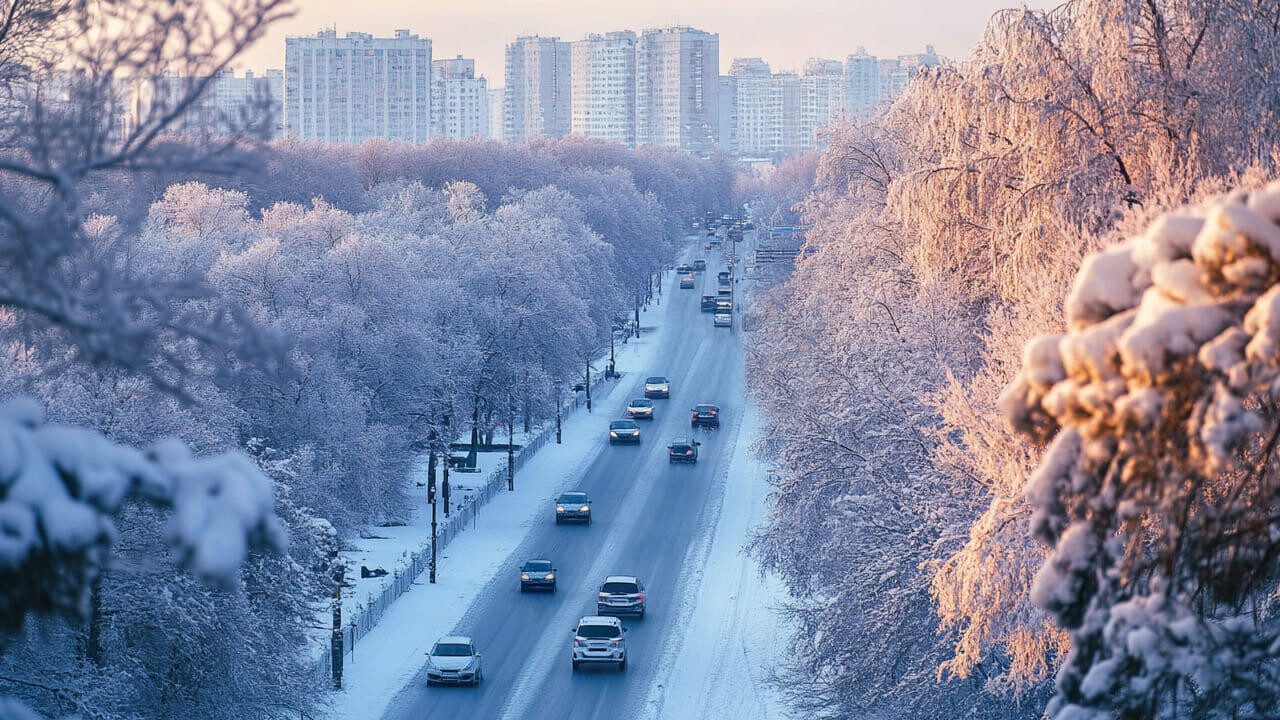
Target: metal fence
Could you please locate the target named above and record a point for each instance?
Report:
(464, 514)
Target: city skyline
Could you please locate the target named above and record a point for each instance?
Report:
(755, 29)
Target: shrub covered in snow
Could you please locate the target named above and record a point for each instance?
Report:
(1159, 488)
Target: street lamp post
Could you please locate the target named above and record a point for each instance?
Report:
(559, 384)
(588, 384)
(431, 495)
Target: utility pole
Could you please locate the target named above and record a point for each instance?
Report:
(588, 384)
(511, 445)
(335, 642)
(444, 488)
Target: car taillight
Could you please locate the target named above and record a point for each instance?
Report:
(604, 596)
(688, 452)
(640, 596)
(617, 641)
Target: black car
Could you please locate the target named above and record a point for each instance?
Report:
(624, 431)
(722, 277)
(573, 506)
(708, 303)
(537, 575)
(705, 414)
(683, 269)
(683, 451)
(699, 264)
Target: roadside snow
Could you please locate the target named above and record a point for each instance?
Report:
(390, 656)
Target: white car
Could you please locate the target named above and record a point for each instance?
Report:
(723, 319)
(600, 640)
(657, 387)
(640, 409)
(453, 660)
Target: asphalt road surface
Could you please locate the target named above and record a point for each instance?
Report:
(650, 517)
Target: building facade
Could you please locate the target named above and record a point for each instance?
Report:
(459, 100)
(229, 104)
(358, 87)
(678, 88)
(862, 84)
(755, 113)
(821, 98)
(727, 114)
(495, 114)
(537, 93)
(603, 71)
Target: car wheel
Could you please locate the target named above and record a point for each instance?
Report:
(557, 520)
(575, 665)
(642, 614)
(523, 588)
(622, 664)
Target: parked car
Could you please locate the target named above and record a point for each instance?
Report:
(537, 575)
(573, 506)
(621, 594)
(722, 318)
(724, 293)
(624, 431)
(708, 303)
(705, 414)
(453, 660)
(722, 277)
(657, 387)
(640, 409)
(598, 639)
(683, 451)
(724, 304)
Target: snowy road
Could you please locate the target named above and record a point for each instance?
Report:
(651, 519)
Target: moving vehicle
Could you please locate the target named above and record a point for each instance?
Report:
(686, 282)
(453, 660)
(621, 594)
(684, 269)
(573, 505)
(537, 575)
(705, 414)
(657, 387)
(722, 318)
(640, 409)
(624, 431)
(598, 639)
(708, 303)
(683, 451)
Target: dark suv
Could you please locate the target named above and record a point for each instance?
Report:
(705, 414)
(699, 264)
(708, 303)
(573, 506)
(683, 451)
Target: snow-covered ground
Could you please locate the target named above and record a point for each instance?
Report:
(732, 629)
(389, 657)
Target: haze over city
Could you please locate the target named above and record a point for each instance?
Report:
(783, 33)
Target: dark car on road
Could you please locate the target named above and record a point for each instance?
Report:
(722, 277)
(624, 431)
(683, 451)
(699, 264)
(705, 414)
(708, 303)
(684, 269)
(621, 594)
(573, 506)
(537, 575)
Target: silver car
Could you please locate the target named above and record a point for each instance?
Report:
(640, 409)
(657, 387)
(600, 640)
(722, 319)
(453, 660)
(621, 594)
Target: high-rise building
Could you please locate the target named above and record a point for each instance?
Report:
(784, 92)
(821, 98)
(351, 89)
(862, 84)
(604, 87)
(459, 100)
(228, 105)
(678, 88)
(495, 114)
(727, 114)
(755, 133)
(536, 98)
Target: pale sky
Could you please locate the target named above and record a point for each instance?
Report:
(784, 32)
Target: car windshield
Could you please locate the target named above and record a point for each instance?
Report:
(451, 650)
(679, 448)
(619, 588)
(706, 408)
(537, 566)
(599, 631)
(656, 380)
(623, 425)
(641, 403)
(572, 498)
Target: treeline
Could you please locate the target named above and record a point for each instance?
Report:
(947, 233)
(379, 299)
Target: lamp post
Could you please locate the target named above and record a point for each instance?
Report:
(559, 384)
(588, 384)
(431, 497)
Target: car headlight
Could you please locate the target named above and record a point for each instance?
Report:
(613, 434)
(550, 576)
(559, 508)
(585, 508)
(524, 576)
